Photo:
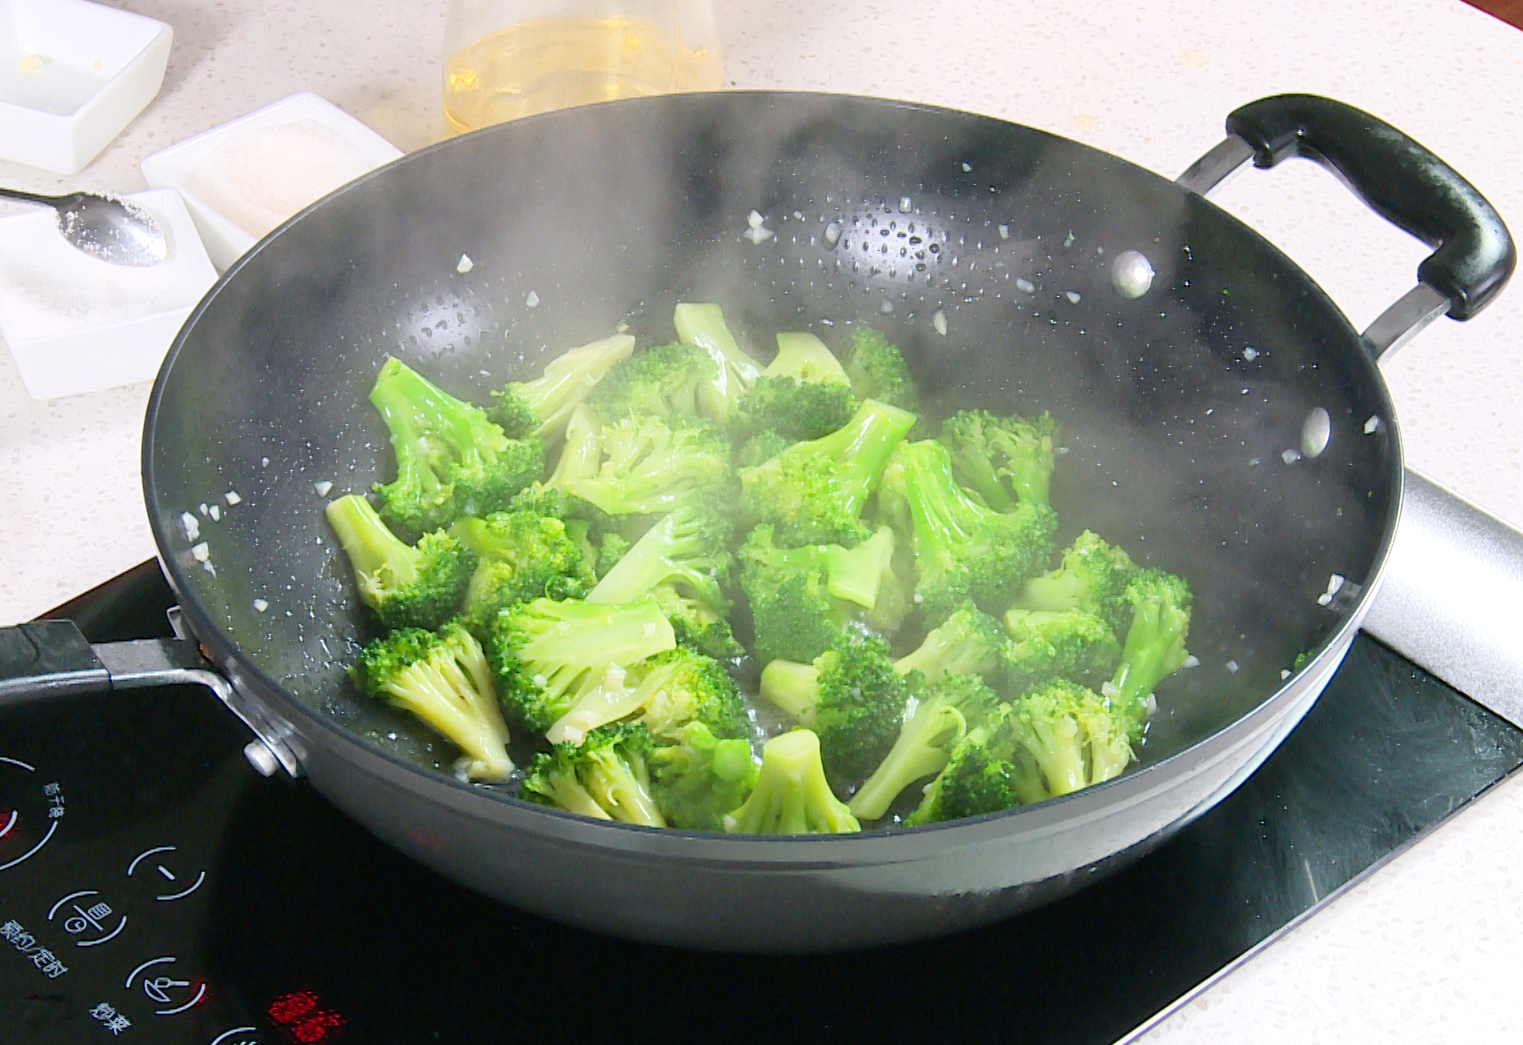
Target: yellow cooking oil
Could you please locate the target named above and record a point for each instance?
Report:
(551, 63)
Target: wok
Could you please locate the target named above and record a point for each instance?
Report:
(1193, 416)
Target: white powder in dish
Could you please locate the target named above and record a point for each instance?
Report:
(258, 176)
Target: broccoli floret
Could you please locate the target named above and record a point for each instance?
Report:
(684, 559)
(1044, 643)
(549, 654)
(523, 556)
(814, 491)
(407, 586)
(611, 548)
(652, 465)
(680, 687)
(962, 548)
(762, 446)
(699, 777)
(792, 796)
(803, 393)
(443, 678)
(666, 690)
(1155, 640)
(1060, 737)
(1091, 577)
(851, 695)
(924, 746)
(974, 781)
(802, 598)
(451, 460)
(542, 407)
(967, 642)
(877, 370)
(1005, 460)
(660, 381)
(733, 373)
(605, 776)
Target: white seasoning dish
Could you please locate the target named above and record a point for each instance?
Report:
(73, 74)
(243, 178)
(75, 323)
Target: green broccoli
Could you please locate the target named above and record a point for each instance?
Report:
(1155, 640)
(803, 393)
(548, 654)
(605, 776)
(850, 695)
(1060, 737)
(1045, 643)
(1005, 460)
(542, 407)
(1057, 738)
(733, 373)
(443, 678)
(962, 548)
(666, 691)
(680, 687)
(802, 598)
(659, 381)
(940, 719)
(877, 370)
(814, 491)
(684, 561)
(792, 796)
(407, 586)
(611, 548)
(651, 465)
(522, 556)
(451, 460)
(1091, 577)
(967, 642)
(762, 446)
(975, 780)
(699, 778)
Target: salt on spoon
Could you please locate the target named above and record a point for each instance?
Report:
(105, 227)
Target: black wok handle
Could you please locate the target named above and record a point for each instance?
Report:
(1400, 180)
(46, 659)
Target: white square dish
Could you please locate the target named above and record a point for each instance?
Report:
(77, 324)
(72, 75)
(243, 178)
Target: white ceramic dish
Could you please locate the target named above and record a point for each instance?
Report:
(77, 324)
(246, 176)
(72, 75)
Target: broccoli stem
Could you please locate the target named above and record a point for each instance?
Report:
(380, 558)
(856, 574)
(735, 371)
(793, 687)
(663, 554)
(564, 790)
(804, 357)
(611, 781)
(792, 796)
(922, 750)
(604, 699)
(582, 452)
(553, 396)
(863, 446)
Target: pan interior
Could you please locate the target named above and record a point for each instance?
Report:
(1183, 409)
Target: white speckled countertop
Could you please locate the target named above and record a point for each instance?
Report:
(1430, 948)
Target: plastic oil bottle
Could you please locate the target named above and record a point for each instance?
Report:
(510, 58)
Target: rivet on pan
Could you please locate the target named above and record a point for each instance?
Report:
(1316, 432)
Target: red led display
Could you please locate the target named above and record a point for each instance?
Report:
(300, 1015)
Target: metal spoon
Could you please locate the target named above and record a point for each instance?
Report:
(105, 227)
